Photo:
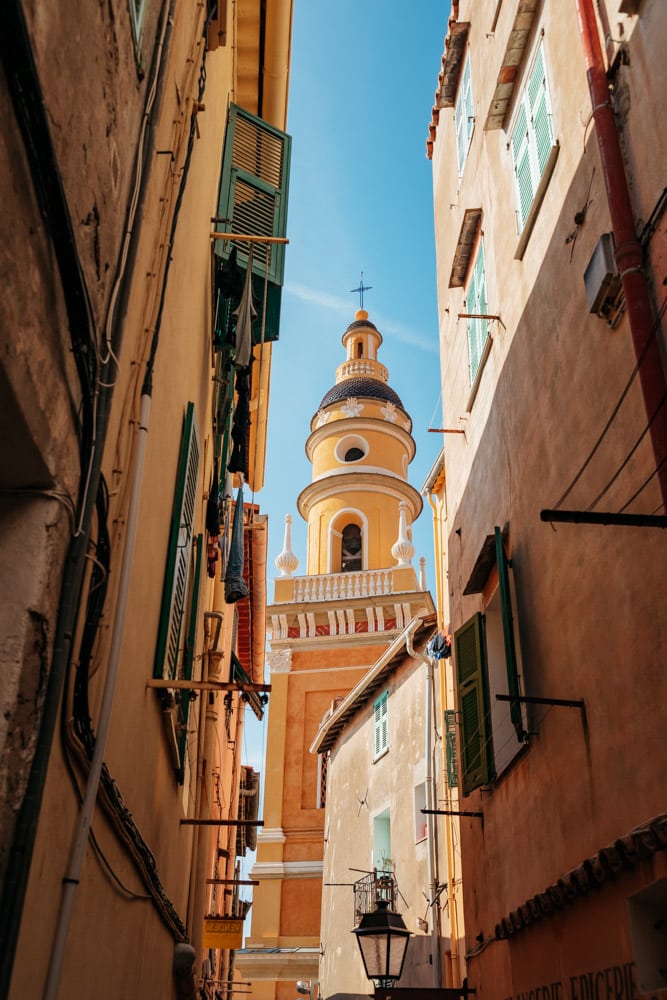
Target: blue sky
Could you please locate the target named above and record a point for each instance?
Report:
(362, 84)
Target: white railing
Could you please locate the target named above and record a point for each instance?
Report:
(363, 366)
(343, 586)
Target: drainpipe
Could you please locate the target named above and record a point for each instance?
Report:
(629, 258)
(430, 804)
(449, 820)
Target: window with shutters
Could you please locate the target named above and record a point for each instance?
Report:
(476, 305)
(381, 725)
(252, 201)
(532, 139)
(492, 732)
(178, 614)
(464, 116)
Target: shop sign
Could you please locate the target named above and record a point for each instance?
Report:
(223, 932)
(616, 982)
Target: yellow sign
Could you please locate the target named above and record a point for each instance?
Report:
(223, 932)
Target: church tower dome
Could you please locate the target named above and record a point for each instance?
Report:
(360, 447)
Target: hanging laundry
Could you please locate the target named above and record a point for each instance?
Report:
(229, 277)
(238, 461)
(244, 315)
(228, 292)
(440, 646)
(235, 587)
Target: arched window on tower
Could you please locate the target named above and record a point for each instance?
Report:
(360, 349)
(350, 560)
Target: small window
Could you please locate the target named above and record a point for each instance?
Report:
(350, 561)
(360, 349)
(464, 116)
(382, 859)
(476, 305)
(532, 138)
(351, 448)
(381, 724)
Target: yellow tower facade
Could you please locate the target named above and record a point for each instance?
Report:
(326, 629)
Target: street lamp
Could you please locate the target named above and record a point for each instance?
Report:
(383, 941)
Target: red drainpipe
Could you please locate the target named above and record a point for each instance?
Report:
(629, 257)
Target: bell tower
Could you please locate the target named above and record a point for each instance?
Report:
(326, 630)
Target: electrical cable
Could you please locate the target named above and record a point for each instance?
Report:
(631, 453)
(617, 407)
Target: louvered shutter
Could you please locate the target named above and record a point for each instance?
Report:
(540, 114)
(380, 724)
(450, 749)
(476, 303)
(179, 552)
(464, 116)
(508, 635)
(189, 653)
(471, 671)
(522, 172)
(532, 137)
(253, 190)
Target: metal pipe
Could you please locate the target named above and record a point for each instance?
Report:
(629, 257)
(71, 879)
(430, 802)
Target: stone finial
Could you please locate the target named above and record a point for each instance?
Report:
(422, 573)
(403, 550)
(286, 561)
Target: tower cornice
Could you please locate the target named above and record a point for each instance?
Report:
(362, 482)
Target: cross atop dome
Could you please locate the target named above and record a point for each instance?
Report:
(361, 289)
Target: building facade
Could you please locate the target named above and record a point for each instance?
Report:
(137, 139)
(384, 767)
(548, 150)
(327, 628)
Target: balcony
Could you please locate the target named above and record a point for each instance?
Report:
(376, 886)
(343, 586)
(362, 367)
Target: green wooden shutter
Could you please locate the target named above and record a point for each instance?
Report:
(540, 115)
(178, 552)
(189, 655)
(471, 672)
(380, 723)
(522, 173)
(464, 116)
(476, 302)
(532, 137)
(508, 635)
(450, 749)
(253, 189)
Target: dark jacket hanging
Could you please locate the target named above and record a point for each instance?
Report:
(235, 587)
